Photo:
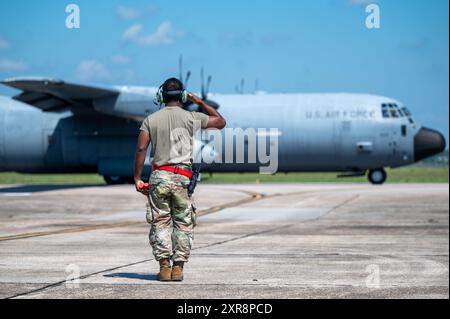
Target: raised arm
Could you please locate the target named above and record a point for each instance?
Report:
(216, 120)
(139, 159)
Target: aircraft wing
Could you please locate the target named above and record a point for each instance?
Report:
(53, 95)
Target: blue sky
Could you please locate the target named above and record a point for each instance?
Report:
(288, 46)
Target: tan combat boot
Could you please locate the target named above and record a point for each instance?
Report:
(164, 270)
(177, 271)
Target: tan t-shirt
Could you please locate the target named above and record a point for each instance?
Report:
(172, 134)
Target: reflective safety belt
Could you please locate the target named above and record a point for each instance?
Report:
(174, 169)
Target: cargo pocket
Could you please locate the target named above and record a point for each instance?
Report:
(149, 205)
(193, 215)
(149, 213)
(185, 181)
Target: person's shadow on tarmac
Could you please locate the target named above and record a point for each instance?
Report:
(152, 277)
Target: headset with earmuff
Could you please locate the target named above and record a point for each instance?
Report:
(183, 95)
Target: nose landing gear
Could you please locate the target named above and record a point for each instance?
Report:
(377, 176)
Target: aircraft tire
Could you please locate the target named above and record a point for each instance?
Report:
(377, 176)
(115, 180)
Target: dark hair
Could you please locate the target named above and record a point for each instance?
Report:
(172, 84)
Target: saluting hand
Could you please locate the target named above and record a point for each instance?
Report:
(194, 98)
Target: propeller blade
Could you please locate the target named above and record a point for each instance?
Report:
(185, 82)
(202, 83)
(242, 85)
(188, 75)
(180, 67)
(204, 91)
(208, 84)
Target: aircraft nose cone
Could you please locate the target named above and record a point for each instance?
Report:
(428, 142)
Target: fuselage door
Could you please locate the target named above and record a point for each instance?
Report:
(52, 147)
(355, 144)
(395, 138)
(70, 145)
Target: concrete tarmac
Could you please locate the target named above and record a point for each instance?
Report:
(252, 241)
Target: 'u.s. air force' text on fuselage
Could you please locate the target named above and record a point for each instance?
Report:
(337, 114)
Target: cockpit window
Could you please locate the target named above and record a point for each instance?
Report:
(408, 114)
(406, 111)
(393, 110)
(384, 110)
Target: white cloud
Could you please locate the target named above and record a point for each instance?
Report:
(91, 70)
(120, 59)
(127, 13)
(362, 2)
(132, 32)
(10, 65)
(95, 71)
(164, 34)
(4, 44)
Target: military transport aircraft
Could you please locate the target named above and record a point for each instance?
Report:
(55, 126)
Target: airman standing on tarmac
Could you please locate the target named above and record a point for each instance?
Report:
(170, 212)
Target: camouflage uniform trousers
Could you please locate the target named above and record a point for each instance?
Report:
(171, 215)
